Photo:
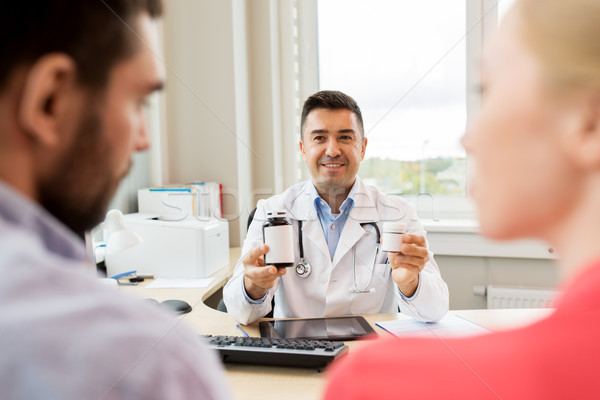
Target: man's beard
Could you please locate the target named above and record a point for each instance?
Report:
(79, 190)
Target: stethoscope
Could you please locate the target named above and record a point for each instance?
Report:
(303, 268)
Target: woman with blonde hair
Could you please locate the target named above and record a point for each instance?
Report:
(536, 143)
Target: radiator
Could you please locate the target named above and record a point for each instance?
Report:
(519, 297)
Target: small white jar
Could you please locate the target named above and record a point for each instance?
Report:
(392, 236)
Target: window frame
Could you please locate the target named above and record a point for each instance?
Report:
(481, 21)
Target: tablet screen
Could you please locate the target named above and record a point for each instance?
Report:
(333, 328)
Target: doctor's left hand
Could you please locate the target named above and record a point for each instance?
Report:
(407, 265)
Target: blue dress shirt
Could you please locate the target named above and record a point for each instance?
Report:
(333, 224)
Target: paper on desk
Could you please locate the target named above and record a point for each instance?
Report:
(161, 283)
(449, 326)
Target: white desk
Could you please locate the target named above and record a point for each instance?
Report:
(249, 382)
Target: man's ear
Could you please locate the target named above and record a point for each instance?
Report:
(47, 84)
(302, 152)
(363, 149)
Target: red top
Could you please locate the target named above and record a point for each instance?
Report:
(556, 358)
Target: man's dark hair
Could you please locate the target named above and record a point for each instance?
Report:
(331, 100)
(95, 33)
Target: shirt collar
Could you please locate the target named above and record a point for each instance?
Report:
(347, 204)
(22, 212)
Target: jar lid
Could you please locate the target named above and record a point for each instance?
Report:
(395, 227)
(276, 214)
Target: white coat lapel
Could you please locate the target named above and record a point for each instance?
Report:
(351, 234)
(313, 232)
(364, 210)
(301, 204)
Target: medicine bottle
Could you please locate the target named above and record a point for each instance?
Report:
(279, 236)
(392, 236)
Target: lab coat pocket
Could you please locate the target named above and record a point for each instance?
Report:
(381, 277)
(369, 288)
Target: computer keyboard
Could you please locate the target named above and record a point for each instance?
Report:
(270, 351)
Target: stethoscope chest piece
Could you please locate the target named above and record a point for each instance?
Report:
(303, 269)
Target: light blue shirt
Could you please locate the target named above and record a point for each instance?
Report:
(333, 224)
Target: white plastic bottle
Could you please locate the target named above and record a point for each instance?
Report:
(279, 236)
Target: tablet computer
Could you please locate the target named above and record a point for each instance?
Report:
(331, 328)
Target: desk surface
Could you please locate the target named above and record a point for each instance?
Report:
(249, 382)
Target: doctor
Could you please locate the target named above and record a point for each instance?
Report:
(334, 218)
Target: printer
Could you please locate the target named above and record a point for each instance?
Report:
(177, 241)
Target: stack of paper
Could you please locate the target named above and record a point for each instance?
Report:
(449, 326)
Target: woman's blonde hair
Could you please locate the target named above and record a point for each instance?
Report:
(565, 36)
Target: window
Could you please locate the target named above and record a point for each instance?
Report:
(405, 64)
(412, 67)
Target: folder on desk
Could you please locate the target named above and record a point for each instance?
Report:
(172, 202)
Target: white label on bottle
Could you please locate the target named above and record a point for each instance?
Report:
(280, 239)
(391, 242)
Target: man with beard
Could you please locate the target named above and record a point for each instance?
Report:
(73, 80)
(337, 218)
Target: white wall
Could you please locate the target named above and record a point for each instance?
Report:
(231, 101)
(207, 113)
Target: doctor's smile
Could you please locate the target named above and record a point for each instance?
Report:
(333, 164)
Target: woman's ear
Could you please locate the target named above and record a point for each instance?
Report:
(588, 138)
(48, 84)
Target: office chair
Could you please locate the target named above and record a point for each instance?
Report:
(221, 306)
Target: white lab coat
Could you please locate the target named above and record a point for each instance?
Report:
(327, 290)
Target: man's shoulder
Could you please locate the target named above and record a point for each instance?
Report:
(377, 193)
(286, 200)
(63, 321)
(58, 289)
(298, 188)
(389, 204)
(43, 287)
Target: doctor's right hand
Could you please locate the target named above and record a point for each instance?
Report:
(258, 278)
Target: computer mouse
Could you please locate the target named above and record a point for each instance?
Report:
(150, 300)
(177, 306)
